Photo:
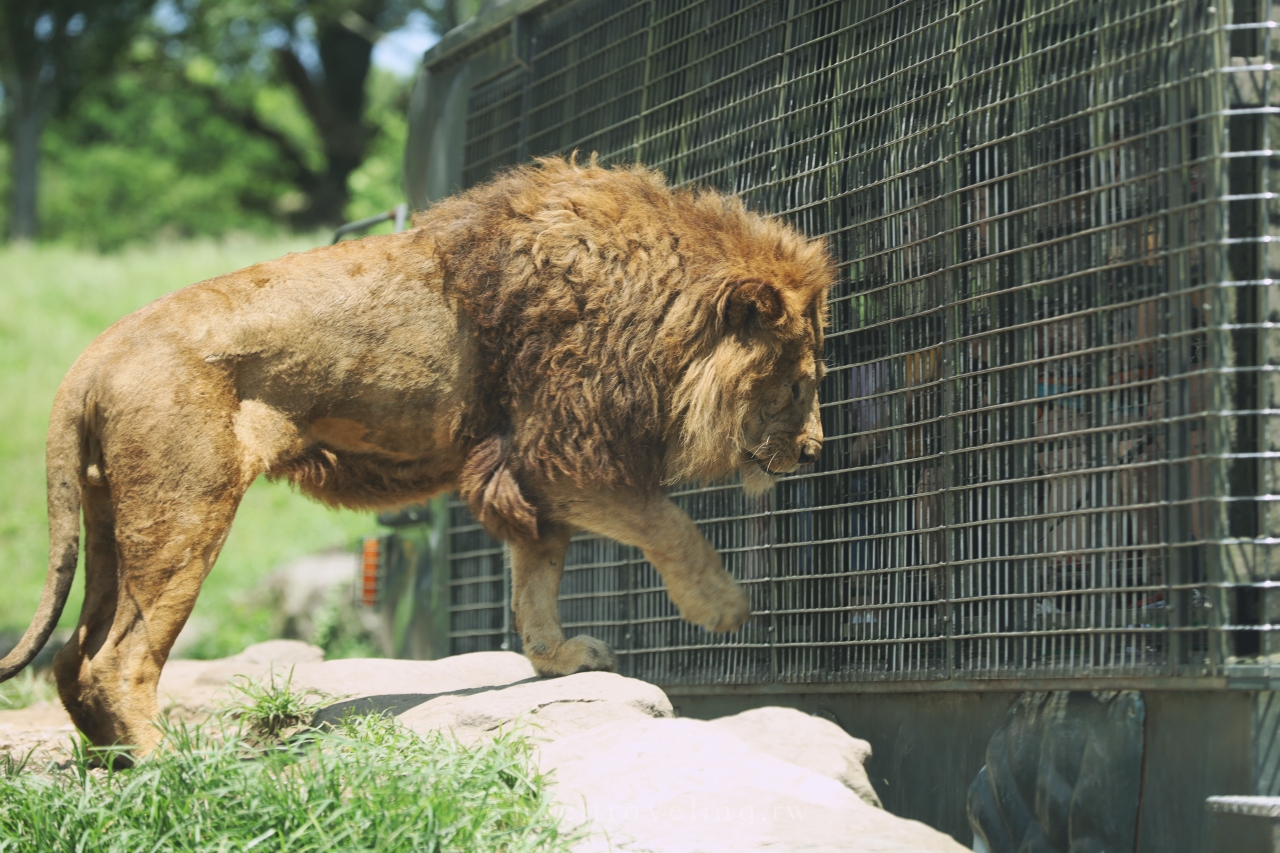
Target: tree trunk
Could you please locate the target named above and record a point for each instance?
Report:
(26, 124)
(335, 102)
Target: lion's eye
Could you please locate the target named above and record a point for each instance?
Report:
(795, 390)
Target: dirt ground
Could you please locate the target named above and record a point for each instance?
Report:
(43, 731)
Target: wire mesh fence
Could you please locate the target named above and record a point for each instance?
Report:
(1051, 435)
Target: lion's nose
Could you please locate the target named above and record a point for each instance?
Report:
(809, 455)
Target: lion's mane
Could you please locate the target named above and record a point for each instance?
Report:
(598, 297)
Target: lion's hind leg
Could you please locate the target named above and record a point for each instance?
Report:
(153, 531)
(536, 570)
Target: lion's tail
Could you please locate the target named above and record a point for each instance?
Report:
(64, 452)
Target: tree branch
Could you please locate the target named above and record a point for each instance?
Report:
(248, 120)
(310, 95)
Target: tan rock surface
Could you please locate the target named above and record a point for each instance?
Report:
(367, 684)
(687, 786)
(195, 687)
(770, 779)
(545, 709)
(192, 689)
(362, 677)
(812, 742)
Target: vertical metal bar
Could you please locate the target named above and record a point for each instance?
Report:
(1176, 364)
(1262, 573)
(507, 643)
(646, 82)
(1217, 353)
(771, 555)
(951, 192)
(524, 36)
(1263, 398)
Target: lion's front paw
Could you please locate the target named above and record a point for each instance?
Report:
(725, 609)
(577, 654)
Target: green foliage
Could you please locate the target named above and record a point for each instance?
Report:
(320, 50)
(27, 688)
(48, 52)
(213, 121)
(103, 196)
(146, 156)
(267, 711)
(53, 303)
(4, 187)
(367, 785)
(377, 185)
(338, 630)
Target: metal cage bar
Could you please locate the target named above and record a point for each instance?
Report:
(1051, 433)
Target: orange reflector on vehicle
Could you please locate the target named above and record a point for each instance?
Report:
(369, 555)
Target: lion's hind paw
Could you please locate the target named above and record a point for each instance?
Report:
(578, 654)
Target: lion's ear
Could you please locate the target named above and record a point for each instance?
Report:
(751, 301)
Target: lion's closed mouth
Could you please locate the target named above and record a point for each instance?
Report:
(764, 466)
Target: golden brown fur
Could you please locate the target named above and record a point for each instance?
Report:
(557, 345)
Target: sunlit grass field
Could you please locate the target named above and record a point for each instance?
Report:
(253, 778)
(53, 302)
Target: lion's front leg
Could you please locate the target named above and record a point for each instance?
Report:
(536, 569)
(695, 578)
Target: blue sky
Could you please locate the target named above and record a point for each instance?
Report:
(399, 51)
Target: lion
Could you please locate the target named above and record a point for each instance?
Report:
(557, 345)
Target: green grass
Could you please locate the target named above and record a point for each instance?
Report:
(366, 785)
(270, 710)
(53, 302)
(27, 688)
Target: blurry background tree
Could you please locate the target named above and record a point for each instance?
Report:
(208, 116)
(49, 50)
(234, 51)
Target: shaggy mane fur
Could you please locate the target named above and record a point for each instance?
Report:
(599, 297)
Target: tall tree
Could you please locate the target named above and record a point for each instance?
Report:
(322, 50)
(48, 49)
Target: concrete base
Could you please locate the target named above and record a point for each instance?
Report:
(928, 747)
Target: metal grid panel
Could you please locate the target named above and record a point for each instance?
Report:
(588, 77)
(1050, 439)
(477, 586)
(1244, 348)
(494, 113)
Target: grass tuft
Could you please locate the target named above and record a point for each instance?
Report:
(269, 711)
(368, 784)
(27, 688)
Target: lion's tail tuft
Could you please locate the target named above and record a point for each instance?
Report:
(489, 486)
(64, 452)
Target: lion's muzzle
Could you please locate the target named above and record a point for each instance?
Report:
(810, 451)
